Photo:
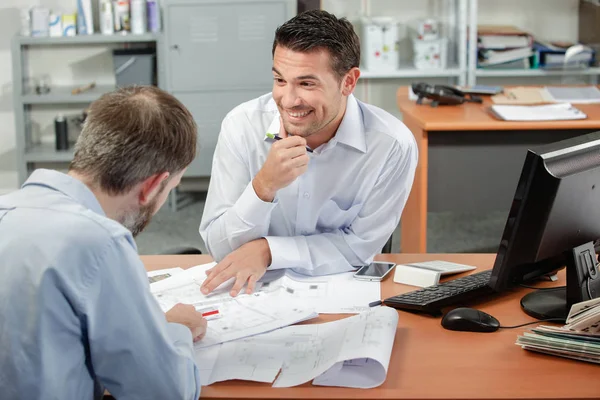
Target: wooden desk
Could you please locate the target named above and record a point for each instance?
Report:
(424, 119)
(429, 362)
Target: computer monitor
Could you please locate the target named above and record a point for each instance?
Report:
(553, 222)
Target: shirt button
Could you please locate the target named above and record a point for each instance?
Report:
(306, 195)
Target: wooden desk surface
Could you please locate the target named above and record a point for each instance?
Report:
(429, 362)
(475, 117)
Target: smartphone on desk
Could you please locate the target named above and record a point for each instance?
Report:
(376, 271)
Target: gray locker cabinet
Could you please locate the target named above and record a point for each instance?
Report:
(218, 55)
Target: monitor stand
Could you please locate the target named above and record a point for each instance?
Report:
(583, 283)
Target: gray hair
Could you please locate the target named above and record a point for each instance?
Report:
(131, 134)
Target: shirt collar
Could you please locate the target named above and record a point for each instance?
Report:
(66, 184)
(351, 131)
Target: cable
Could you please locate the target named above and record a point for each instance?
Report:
(541, 288)
(534, 322)
(588, 287)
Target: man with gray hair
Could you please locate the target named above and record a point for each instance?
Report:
(76, 313)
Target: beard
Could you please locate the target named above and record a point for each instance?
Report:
(136, 221)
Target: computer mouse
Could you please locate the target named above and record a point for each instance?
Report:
(469, 320)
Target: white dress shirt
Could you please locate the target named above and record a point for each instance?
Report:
(335, 216)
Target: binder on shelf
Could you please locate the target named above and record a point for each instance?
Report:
(505, 47)
(553, 56)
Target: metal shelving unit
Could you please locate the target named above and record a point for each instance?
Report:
(457, 11)
(86, 39)
(26, 100)
(474, 72)
(536, 72)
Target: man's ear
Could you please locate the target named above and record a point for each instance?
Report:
(151, 187)
(349, 81)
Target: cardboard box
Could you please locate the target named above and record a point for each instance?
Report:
(380, 44)
(589, 24)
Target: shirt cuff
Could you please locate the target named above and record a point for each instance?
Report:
(285, 252)
(181, 335)
(251, 209)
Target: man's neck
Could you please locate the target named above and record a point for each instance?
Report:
(112, 206)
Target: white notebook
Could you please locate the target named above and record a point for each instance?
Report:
(577, 94)
(552, 112)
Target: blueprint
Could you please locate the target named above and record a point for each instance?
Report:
(352, 352)
(241, 316)
(330, 294)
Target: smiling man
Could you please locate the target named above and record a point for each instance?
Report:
(328, 193)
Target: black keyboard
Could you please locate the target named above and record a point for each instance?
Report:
(433, 298)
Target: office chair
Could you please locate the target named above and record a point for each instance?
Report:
(181, 250)
(387, 247)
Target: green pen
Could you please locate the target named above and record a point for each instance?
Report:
(276, 137)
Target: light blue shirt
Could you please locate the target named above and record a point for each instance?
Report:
(76, 312)
(337, 215)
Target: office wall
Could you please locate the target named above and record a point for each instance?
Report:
(552, 19)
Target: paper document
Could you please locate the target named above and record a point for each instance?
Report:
(574, 94)
(552, 112)
(353, 352)
(251, 315)
(330, 294)
(241, 316)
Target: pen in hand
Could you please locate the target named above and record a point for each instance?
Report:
(275, 137)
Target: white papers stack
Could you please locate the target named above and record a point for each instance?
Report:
(579, 339)
(281, 298)
(568, 94)
(241, 316)
(552, 112)
(352, 352)
(331, 294)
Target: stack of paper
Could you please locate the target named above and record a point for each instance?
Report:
(573, 94)
(503, 47)
(552, 112)
(282, 298)
(331, 294)
(353, 352)
(579, 339)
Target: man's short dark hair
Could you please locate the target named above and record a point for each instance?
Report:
(131, 134)
(317, 29)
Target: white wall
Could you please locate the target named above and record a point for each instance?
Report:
(549, 19)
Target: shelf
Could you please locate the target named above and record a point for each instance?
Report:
(411, 72)
(62, 95)
(536, 72)
(87, 39)
(47, 153)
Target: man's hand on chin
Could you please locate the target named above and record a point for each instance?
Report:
(246, 264)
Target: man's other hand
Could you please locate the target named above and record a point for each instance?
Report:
(247, 264)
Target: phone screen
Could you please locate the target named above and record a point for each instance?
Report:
(376, 269)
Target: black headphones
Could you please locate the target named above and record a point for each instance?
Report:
(442, 94)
